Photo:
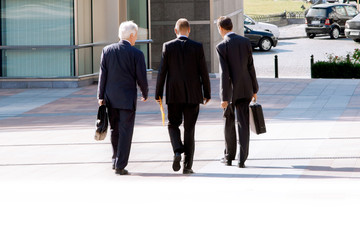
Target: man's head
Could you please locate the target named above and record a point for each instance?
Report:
(182, 27)
(128, 31)
(224, 25)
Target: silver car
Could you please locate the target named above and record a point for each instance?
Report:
(260, 26)
(352, 28)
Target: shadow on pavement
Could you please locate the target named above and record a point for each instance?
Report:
(238, 175)
(328, 169)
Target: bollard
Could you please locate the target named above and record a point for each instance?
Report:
(276, 67)
(311, 64)
(348, 58)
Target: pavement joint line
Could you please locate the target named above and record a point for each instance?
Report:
(195, 160)
(161, 142)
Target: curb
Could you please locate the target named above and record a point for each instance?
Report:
(290, 38)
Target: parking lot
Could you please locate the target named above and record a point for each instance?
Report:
(295, 50)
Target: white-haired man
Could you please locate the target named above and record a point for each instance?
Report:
(122, 68)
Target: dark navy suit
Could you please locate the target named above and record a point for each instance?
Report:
(238, 84)
(183, 70)
(122, 68)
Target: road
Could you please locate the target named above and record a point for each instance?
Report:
(294, 55)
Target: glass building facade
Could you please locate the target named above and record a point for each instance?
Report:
(53, 43)
(27, 31)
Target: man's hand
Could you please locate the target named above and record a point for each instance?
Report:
(143, 99)
(101, 102)
(255, 97)
(206, 101)
(158, 101)
(224, 104)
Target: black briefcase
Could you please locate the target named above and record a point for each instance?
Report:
(101, 125)
(257, 121)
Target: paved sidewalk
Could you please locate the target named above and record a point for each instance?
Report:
(301, 181)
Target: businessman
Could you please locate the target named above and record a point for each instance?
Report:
(183, 69)
(238, 86)
(122, 68)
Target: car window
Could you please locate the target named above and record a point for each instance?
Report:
(316, 12)
(351, 11)
(340, 10)
(247, 20)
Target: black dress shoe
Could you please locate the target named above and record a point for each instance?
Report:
(121, 171)
(226, 162)
(188, 171)
(113, 163)
(176, 164)
(241, 165)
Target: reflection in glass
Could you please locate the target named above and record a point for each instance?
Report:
(137, 11)
(37, 22)
(38, 63)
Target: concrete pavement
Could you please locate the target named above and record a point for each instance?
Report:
(301, 181)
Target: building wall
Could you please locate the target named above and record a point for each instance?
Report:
(97, 21)
(202, 15)
(232, 9)
(106, 17)
(164, 15)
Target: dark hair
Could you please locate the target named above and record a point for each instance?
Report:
(182, 24)
(225, 23)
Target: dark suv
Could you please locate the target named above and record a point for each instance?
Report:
(328, 19)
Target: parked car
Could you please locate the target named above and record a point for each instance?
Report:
(252, 24)
(262, 39)
(333, 1)
(349, 1)
(329, 19)
(352, 28)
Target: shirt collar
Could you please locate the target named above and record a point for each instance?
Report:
(229, 33)
(182, 36)
(124, 40)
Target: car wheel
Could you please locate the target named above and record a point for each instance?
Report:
(311, 35)
(335, 33)
(265, 44)
(357, 40)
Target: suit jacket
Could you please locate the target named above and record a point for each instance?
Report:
(237, 72)
(183, 68)
(122, 67)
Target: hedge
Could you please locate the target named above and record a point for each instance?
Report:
(335, 70)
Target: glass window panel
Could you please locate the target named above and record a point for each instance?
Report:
(85, 61)
(340, 10)
(38, 63)
(137, 11)
(351, 10)
(37, 22)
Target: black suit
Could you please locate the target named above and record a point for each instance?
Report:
(238, 84)
(122, 68)
(183, 69)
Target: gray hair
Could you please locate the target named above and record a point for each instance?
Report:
(126, 29)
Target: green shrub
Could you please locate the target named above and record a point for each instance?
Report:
(335, 70)
(338, 67)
